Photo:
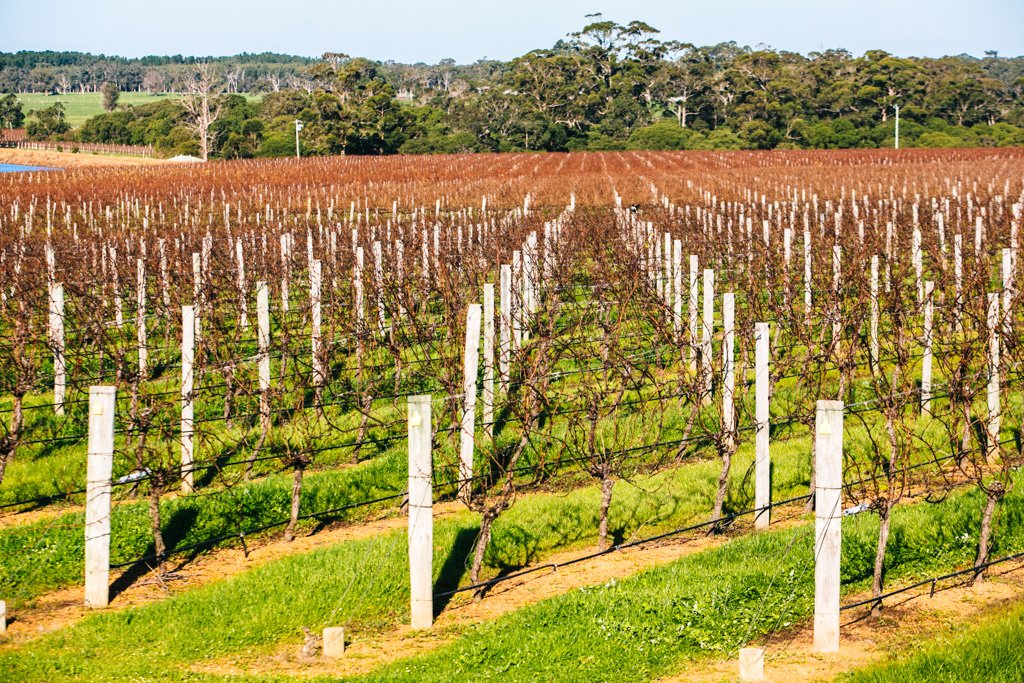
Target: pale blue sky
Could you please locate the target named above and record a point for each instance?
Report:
(428, 30)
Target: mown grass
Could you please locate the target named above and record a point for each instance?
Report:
(636, 629)
(713, 602)
(49, 553)
(988, 652)
(364, 583)
(78, 107)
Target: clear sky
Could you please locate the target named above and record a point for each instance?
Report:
(467, 30)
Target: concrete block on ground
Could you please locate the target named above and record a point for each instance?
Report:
(334, 642)
(751, 664)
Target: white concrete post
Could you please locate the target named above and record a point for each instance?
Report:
(3, 617)
(100, 462)
(263, 343)
(1007, 273)
(751, 664)
(488, 389)
(57, 345)
(677, 288)
(189, 327)
(873, 345)
(729, 367)
(807, 277)
(357, 286)
(828, 514)
(334, 642)
(197, 292)
(707, 328)
(165, 290)
(837, 271)
(505, 345)
(140, 316)
(993, 373)
(926, 359)
(316, 341)
(657, 268)
(378, 280)
(470, 366)
(694, 315)
(286, 267)
(958, 280)
(918, 260)
(517, 301)
(243, 305)
(762, 456)
(421, 514)
(118, 313)
(787, 258)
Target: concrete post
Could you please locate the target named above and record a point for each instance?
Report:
(657, 268)
(993, 373)
(729, 367)
(378, 281)
(140, 316)
(873, 346)
(762, 456)
(286, 262)
(787, 259)
(334, 642)
(926, 359)
(694, 316)
(57, 346)
(1007, 273)
(837, 274)
(189, 326)
(243, 305)
(517, 300)
(751, 664)
(357, 287)
(118, 313)
(165, 290)
(263, 343)
(100, 461)
(197, 292)
(958, 281)
(470, 366)
(807, 278)
(707, 328)
(421, 515)
(488, 389)
(505, 345)
(918, 261)
(316, 341)
(677, 288)
(828, 514)
(3, 617)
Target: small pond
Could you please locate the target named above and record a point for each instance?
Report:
(18, 168)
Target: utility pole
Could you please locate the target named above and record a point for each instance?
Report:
(298, 127)
(897, 126)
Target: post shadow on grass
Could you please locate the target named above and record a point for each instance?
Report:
(174, 531)
(454, 567)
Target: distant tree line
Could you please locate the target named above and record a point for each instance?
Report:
(70, 72)
(608, 86)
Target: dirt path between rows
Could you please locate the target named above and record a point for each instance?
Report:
(905, 620)
(369, 650)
